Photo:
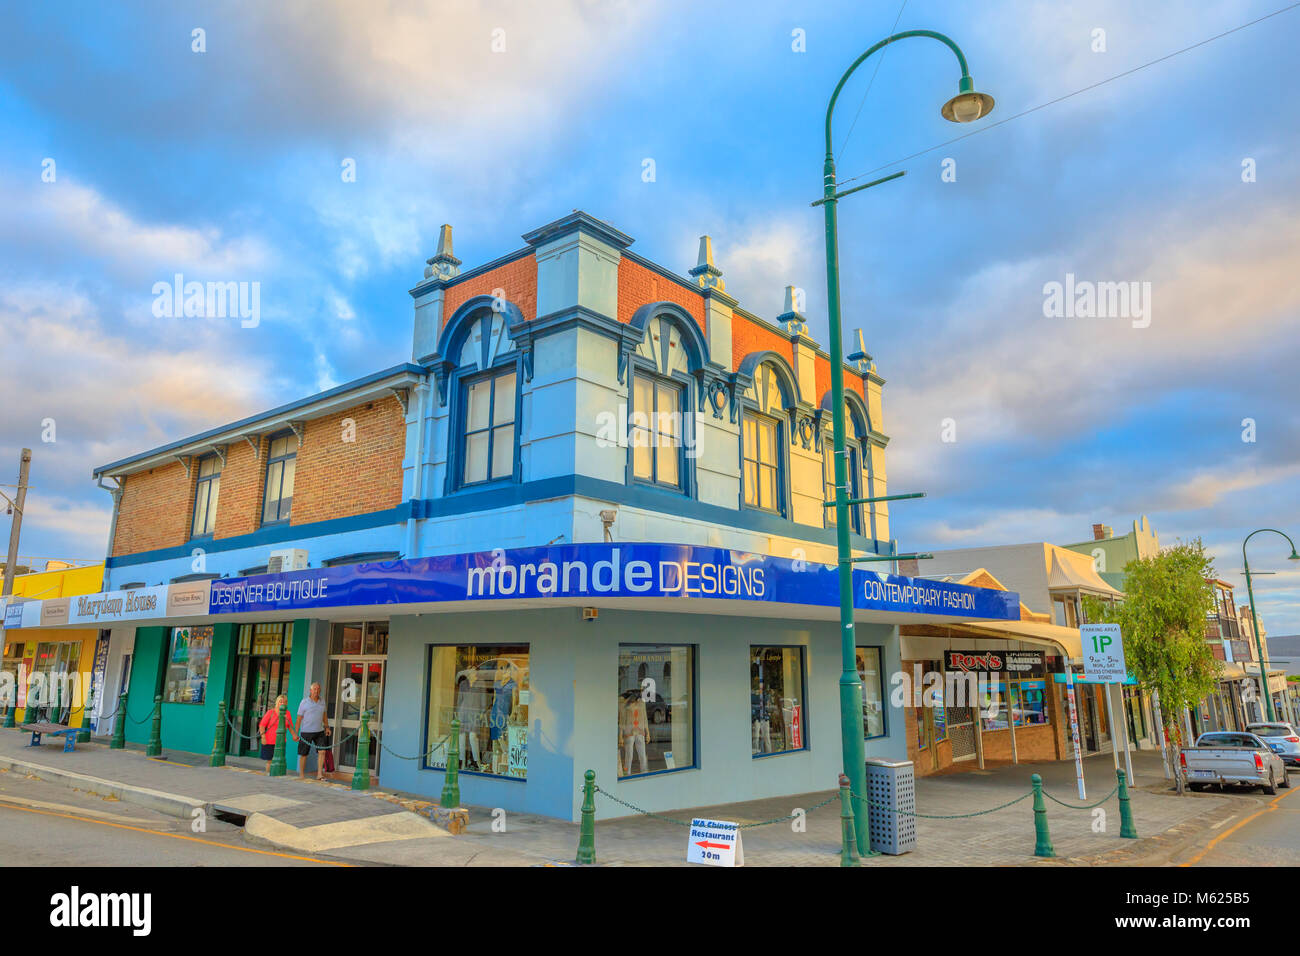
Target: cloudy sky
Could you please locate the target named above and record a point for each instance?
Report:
(499, 117)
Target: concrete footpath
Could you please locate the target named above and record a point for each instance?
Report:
(387, 828)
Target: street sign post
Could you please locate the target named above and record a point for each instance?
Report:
(1103, 661)
(1074, 729)
(715, 843)
(1103, 653)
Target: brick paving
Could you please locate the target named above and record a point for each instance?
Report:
(1003, 837)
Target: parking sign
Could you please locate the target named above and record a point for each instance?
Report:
(1103, 653)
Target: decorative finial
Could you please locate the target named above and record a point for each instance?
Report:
(793, 318)
(706, 274)
(861, 357)
(443, 265)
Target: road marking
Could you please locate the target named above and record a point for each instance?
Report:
(46, 804)
(1272, 805)
(181, 836)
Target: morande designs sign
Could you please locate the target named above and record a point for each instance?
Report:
(607, 571)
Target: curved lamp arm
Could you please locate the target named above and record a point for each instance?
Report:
(966, 83)
(1260, 531)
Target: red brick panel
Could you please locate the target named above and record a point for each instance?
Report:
(239, 505)
(747, 336)
(518, 280)
(155, 510)
(336, 477)
(638, 286)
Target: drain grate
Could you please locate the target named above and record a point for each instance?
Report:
(226, 815)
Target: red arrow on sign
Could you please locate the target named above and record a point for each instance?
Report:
(709, 846)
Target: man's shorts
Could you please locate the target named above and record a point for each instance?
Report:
(317, 739)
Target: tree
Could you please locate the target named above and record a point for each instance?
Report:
(1162, 621)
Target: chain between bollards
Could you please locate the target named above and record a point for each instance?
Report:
(587, 828)
(361, 775)
(451, 781)
(154, 749)
(1042, 838)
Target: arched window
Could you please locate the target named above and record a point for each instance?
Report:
(664, 356)
(763, 440)
(487, 403)
(853, 460)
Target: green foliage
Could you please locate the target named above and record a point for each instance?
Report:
(1162, 620)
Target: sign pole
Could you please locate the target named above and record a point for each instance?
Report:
(1128, 743)
(1074, 728)
(1110, 723)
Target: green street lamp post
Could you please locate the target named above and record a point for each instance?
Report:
(965, 107)
(1254, 618)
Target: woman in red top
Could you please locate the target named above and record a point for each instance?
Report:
(269, 727)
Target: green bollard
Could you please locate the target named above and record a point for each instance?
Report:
(155, 733)
(361, 776)
(277, 760)
(83, 735)
(219, 738)
(119, 725)
(587, 829)
(1127, 829)
(848, 839)
(1043, 839)
(451, 782)
(11, 711)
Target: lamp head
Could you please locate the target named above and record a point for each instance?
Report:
(1294, 556)
(968, 105)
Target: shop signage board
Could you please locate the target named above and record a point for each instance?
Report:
(715, 843)
(585, 571)
(604, 571)
(1030, 663)
(1103, 653)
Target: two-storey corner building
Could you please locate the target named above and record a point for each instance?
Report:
(585, 522)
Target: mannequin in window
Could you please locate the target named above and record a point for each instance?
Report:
(505, 684)
(471, 701)
(761, 711)
(634, 729)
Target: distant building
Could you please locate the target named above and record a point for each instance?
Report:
(1111, 553)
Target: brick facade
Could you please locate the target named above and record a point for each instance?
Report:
(337, 478)
(517, 279)
(638, 286)
(333, 478)
(155, 510)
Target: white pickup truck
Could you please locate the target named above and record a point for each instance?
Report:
(1230, 757)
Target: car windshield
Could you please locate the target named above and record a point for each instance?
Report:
(1272, 730)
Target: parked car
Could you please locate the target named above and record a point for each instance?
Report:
(1281, 739)
(1231, 758)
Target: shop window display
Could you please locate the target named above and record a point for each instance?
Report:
(187, 665)
(656, 688)
(486, 688)
(776, 700)
(873, 691)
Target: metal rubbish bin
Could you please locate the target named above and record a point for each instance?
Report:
(891, 786)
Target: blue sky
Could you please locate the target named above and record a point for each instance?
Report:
(226, 165)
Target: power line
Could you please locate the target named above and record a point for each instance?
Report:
(871, 82)
(1092, 86)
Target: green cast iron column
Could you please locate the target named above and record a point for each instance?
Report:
(83, 734)
(119, 725)
(154, 749)
(218, 758)
(281, 732)
(587, 828)
(1042, 838)
(1127, 828)
(451, 781)
(851, 729)
(361, 775)
(1254, 619)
